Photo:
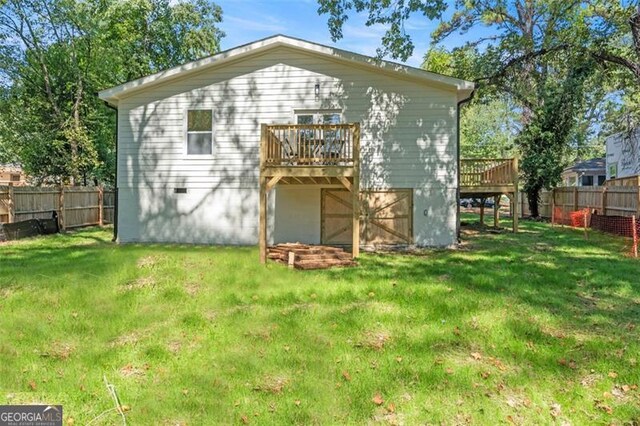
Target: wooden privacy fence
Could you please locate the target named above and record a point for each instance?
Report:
(76, 206)
(612, 200)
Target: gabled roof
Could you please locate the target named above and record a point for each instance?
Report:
(594, 164)
(114, 94)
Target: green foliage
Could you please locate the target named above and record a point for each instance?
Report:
(488, 129)
(527, 60)
(58, 53)
(392, 14)
(543, 141)
(491, 121)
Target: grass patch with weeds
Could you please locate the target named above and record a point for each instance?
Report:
(538, 327)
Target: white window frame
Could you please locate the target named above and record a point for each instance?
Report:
(186, 133)
(317, 113)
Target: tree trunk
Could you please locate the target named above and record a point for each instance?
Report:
(533, 195)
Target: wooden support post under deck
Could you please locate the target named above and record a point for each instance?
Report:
(262, 228)
(355, 192)
(496, 211)
(262, 237)
(482, 201)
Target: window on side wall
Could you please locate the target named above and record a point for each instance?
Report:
(15, 178)
(199, 132)
(601, 179)
(587, 180)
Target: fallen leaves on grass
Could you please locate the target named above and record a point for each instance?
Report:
(476, 355)
(32, 384)
(377, 399)
(570, 363)
(612, 374)
(346, 375)
(604, 407)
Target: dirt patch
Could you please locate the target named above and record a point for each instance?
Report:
(262, 334)
(192, 288)
(129, 339)
(272, 384)
(130, 370)
(140, 283)
(375, 340)
(148, 262)
(58, 350)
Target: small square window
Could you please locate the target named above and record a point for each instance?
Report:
(15, 178)
(200, 132)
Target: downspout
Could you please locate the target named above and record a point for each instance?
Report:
(460, 103)
(115, 189)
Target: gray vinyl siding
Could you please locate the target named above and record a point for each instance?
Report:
(408, 141)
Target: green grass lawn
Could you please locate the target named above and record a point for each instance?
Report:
(541, 327)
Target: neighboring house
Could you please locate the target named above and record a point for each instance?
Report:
(623, 154)
(189, 148)
(12, 174)
(585, 173)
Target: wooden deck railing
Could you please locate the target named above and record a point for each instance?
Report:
(487, 172)
(310, 144)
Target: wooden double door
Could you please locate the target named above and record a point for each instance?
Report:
(386, 217)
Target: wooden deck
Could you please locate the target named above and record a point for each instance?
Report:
(491, 177)
(309, 154)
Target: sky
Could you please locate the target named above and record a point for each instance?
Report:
(245, 21)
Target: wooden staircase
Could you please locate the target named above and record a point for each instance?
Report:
(303, 256)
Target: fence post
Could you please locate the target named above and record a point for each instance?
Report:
(575, 198)
(100, 205)
(61, 207)
(604, 201)
(553, 206)
(638, 199)
(634, 233)
(585, 221)
(12, 206)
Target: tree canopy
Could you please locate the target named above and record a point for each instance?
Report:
(56, 54)
(559, 65)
